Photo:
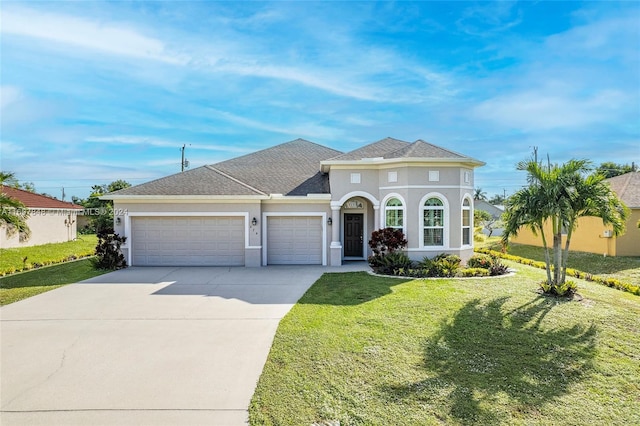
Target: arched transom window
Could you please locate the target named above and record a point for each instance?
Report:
(394, 214)
(433, 222)
(466, 222)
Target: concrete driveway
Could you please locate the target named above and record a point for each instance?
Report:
(146, 346)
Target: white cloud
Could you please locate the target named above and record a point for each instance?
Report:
(303, 130)
(346, 68)
(604, 38)
(115, 39)
(544, 110)
(304, 77)
(161, 143)
(489, 18)
(9, 95)
(12, 151)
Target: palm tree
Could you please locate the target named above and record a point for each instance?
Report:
(560, 195)
(13, 213)
(479, 194)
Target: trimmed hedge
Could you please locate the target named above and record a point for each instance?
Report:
(29, 266)
(609, 282)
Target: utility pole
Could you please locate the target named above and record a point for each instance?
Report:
(184, 163)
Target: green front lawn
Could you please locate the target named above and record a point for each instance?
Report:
(26, 284)
(13, 259)
(366, 350)
(620, 267)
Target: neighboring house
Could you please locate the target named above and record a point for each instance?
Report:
(592, 236)
(496, 214)
(301, 203)
(50, 220)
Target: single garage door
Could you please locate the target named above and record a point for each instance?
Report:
(188, 241)
(294, 240)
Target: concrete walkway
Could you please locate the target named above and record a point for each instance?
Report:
(146, 346)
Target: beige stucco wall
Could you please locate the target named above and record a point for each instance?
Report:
(47, 226)
(412, 186)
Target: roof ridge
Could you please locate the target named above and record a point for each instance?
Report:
(278, 146)
(238, 181)
(443, 148)
(370, 144)
(316, 143)
(409, 148)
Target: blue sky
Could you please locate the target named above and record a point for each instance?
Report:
(98, 91)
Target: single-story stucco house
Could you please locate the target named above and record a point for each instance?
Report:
(301, 203)
(50, 220)
(495, 212)
(592, 236)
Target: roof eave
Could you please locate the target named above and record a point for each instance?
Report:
(326, 165)
(131, 197)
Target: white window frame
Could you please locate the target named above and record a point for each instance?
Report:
(403, 208)
(445, 218)
(468, 208)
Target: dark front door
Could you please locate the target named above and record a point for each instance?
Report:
(353, 238)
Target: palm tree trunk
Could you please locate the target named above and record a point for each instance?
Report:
(566, 256)
(557, 250)
(547, 258)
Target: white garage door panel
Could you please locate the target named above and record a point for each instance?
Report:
(294, 240)
(188, 241)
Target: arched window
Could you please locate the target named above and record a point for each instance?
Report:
(394, 214)
(466, 222)
(433, 222)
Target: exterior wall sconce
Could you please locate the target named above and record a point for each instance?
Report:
(254, 221)
(118, 221)
(329, 221)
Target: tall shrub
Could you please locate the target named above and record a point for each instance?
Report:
(108, 252)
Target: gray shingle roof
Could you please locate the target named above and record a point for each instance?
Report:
(291, 168)
(203, 180)
(422, 149)
(373, 150)
(627, 187)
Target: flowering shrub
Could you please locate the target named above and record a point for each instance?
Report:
(480, 261)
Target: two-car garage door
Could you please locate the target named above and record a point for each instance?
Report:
(188, 241)
(220, 241)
